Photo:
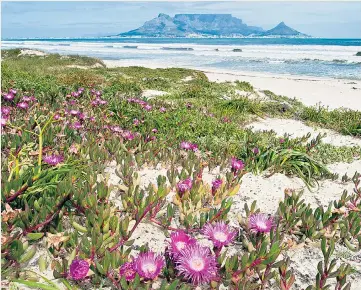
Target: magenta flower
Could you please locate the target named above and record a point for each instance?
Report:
(98, 93)
(23, 105)
(260, 223)
(184, 185)
(13, 91)
(162, 110)
(189, 105)
(282, 140)
(127, 135)
(236, 164)
(81, 116)
(186, 145)
(255, 150)
(8, 97)
(194, 147)
(94, 103)
(102, 102)
(3, 122)
(154, 130)
(179, 240)
(148, 265)
(74, 112)
(226, 120)
(150, 138)
(56, 116)
(127, 271)
(136, 122)
(53, 159)
(79, 269)
(220, 234)
(72, 102)
(147, 107)
(26, 99)
(5, 110)
(197, 264)
(77, 125)
(116, 129)
(216, 184)
(74, 94)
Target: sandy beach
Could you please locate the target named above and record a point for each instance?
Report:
(334, 93)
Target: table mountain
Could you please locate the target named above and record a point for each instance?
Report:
(182, 25)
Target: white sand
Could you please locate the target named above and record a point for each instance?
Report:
(334, 93)
(298, 129)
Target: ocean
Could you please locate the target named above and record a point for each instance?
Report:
(331, 58)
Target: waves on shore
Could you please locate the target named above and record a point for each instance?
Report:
(321, 60)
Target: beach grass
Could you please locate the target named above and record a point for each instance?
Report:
(68, 118)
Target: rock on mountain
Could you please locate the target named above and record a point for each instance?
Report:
(182, 25)
(282, 30)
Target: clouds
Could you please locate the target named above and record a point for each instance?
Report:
(77, 19)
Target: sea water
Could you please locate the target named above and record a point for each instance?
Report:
(335, 58)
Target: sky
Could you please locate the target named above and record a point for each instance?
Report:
(94, 19)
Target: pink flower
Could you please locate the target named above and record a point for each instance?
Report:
(56, 116)
(3, 122)
(260, 223)
(189, 105)
(127, 271)
(53, 159)
(226, 120)
(154, 130)
(79, 269)
(148, 265)
(74, 112)
(197, 264)
(150, 138)
(255, 150)
(26, 99)
(216, 184)
(127, 135)
(74, 94)
(282, 140)
(23, 105)
(162, 110)
(98, 93)
(5, 110)
(136, 122)
(186, 145)
(116, 129)
(8, 97)
(77, 125)
(220, 234)
(236, 164)
(72, 102)
(13, 91)
(179, 240)
(184, 185)
(147, 107)
(81, 116)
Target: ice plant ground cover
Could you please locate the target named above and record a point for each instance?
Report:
(65, 226)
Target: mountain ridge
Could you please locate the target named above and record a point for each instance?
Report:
(206, 25)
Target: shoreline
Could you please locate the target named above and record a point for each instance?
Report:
(332, 93)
